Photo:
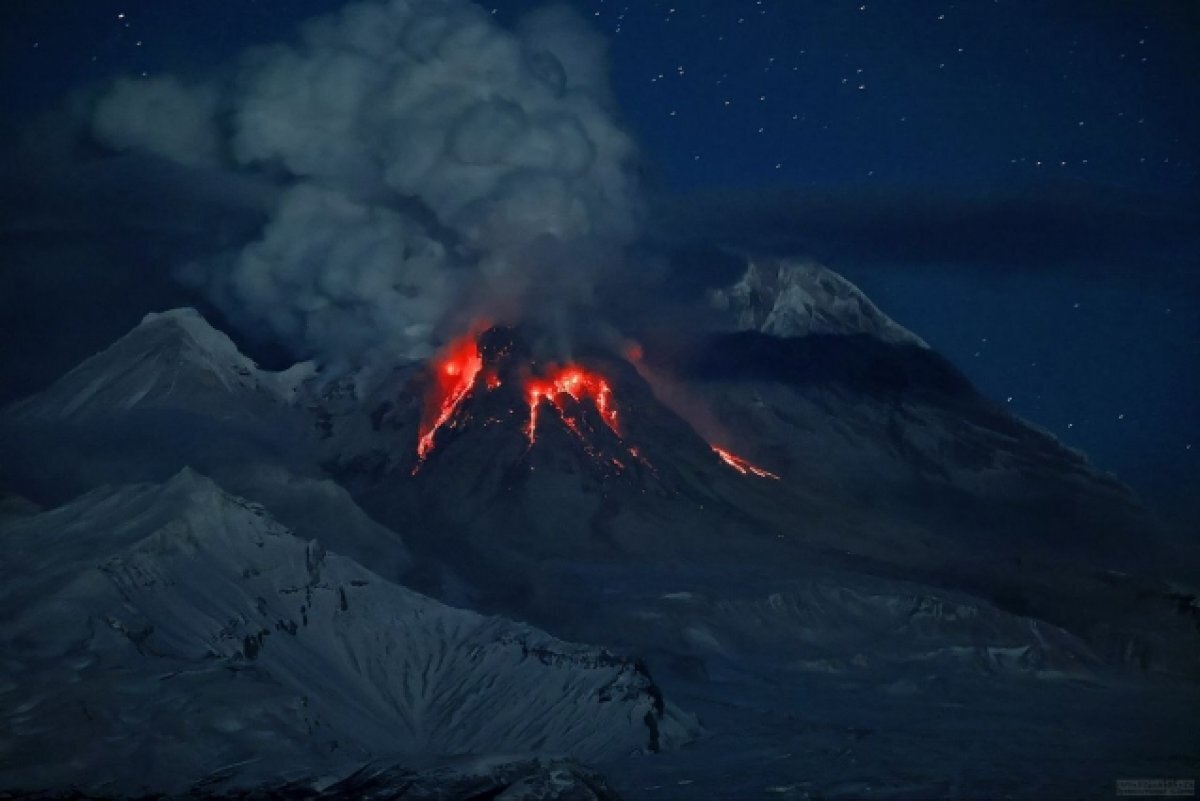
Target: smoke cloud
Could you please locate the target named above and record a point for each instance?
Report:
(431, 160)
(163, 116)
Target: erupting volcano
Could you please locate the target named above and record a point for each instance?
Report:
(577, 394)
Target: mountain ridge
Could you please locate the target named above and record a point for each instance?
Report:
(198, 576)
(197, 588)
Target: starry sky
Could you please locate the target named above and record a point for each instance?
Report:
(1028, 113)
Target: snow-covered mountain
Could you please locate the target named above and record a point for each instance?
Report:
(171, 360)
(904, 536)
(795, 298)
(154, 634)
(886, 455)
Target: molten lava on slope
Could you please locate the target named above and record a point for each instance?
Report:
(578, 383)
(455, 374)
(741, 465)
(573, 392)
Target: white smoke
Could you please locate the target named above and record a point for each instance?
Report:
(432, 157)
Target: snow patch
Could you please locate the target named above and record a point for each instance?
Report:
(787, 298)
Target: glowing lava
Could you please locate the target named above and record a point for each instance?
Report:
(576, 382)
(459, 370)
(455, 374)
(741, 465)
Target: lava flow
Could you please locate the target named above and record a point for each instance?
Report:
(741, 465)
(456, 371)
(460, 370)
(578, 383)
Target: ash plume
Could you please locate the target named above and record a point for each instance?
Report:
(433, 166)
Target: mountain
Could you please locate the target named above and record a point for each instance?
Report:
(172, 392)
(807, 522)
(787, 298)
(175, 392)
(158, 633)
(889, 464)
(171, 360)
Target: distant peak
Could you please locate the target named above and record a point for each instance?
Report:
(191, 322)
(171, 359)
(188, 479)
(182, 314)
(795, 298)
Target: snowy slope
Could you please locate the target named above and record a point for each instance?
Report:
(171, 360)
(794, 298)
(154, 634)
(171, 393)
(318, 508)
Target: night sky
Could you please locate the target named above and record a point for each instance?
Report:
(903, 104)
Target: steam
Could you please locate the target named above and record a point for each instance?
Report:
(433, 162)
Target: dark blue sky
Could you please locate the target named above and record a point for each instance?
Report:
(928, 99)
(785, 92)
(780, 92)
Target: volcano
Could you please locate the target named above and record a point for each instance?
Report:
(466, 369)
(575, 397)
(518, 459)
(671, 561)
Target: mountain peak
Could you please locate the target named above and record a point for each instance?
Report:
(193, 484)
(190, 323)
(795, 298)
(171, 359)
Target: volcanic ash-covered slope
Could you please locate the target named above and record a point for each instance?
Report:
(154, 634)
(912, 469)
(541, 459)
(879, 445)
(888, 461)
(871, 418)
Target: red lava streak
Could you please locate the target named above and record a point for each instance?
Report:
(455, 374)
(741, 465)
(458, 371)
(577, 382)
